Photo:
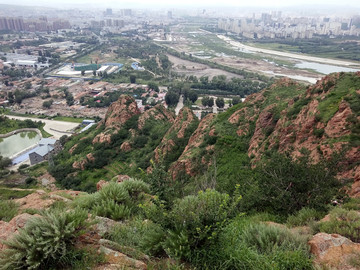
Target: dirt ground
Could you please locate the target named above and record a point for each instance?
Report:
(184, 67)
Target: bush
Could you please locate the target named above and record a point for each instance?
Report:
(284, 186)
(8, 210)
(304, 216)
(247, 245)
(344, 222)
(196, 222)
(110, 209)
(44, 240)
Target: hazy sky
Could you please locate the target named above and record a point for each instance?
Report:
(177, 3)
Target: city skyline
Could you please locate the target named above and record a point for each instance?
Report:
(184, 3)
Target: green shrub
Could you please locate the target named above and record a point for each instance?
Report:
(143, 235)
(110, 209)
(303, 217)
(284, 186)
(44, 241)
(247, 245)
(352, 204)
(344, 222)
(196, 222)
(8, 210)
(115, 192)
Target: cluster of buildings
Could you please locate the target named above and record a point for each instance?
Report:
(23, 60)
(39, 25)
(274, 26)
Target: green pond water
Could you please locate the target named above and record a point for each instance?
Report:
(17, 143)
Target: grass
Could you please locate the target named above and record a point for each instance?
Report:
(8, 193)
(346, 85)
(68, 119)
(8, 210)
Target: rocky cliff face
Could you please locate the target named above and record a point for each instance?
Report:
(322, 120)
(116, 116)
(181, 126)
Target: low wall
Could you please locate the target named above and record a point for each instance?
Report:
(21, 130)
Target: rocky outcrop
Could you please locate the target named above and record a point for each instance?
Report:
(121, 111)
(159, 113)
(184, 162)
(102, 138)
(118, 179)
(333, 251)
(182, 122)
(125, 146)
(8, 229)
(116, 116)
(36, 200)
(80, 165)
(118, 260)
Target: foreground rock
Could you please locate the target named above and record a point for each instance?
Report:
(8, 229)
(334, 251)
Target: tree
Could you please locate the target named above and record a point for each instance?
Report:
(205, 101)
(153, 86)
(4, 162)
(211, 102)
(70, 99)
(285, 186)
(132, 79)
(192, 96)
(172, 98)
(27, 85)
(47, 104)
(236, 100)
(220, 102)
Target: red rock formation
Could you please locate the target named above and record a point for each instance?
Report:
(8, 229)
(333, 250)
(159, 112)
(125, 146)
(181, 123)
(118, 113)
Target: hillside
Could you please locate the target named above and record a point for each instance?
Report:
(263, 185)
(317, 121)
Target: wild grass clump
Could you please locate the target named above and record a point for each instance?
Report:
(304, 217)
(248, 245)
(117, 201)
(344, 222)
(45, 241)
(8, 210)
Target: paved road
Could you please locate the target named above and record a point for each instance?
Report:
(289, 55)
(61, 127)
(179, 105)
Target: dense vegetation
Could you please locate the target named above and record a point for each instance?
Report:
(319, 46)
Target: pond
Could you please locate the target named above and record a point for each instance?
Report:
(17, 143)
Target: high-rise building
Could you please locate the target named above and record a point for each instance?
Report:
(108, 12)
(169, 14)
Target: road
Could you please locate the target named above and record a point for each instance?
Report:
(289, 55)
(179, 105)
(55, 128)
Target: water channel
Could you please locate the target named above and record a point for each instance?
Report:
(17, 143)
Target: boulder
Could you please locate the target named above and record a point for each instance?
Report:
(8, 229)
(121, 260)
(333, 251)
